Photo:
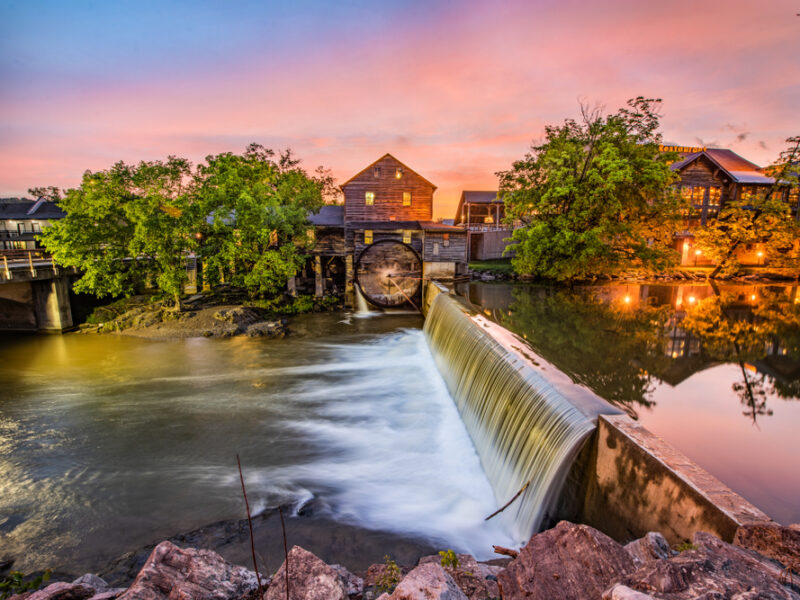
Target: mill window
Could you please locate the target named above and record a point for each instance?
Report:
(367, 236)
(369, 198)
(446, 240)
(398, 173)
(406, 237)
(376, 172)
(793, 196)
(698, 195)
(406, 198)
(436, 248)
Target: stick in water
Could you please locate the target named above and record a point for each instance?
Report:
(250, 524)
(285, 552)
(507, 504)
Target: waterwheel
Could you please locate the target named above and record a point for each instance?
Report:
(389, 273)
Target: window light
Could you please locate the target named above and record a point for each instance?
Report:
(406, 198)
(369, 198)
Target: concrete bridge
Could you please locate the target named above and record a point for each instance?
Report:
(34, 293)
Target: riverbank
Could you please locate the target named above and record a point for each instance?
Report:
(219, 313)
(567, 561)
(501, 270)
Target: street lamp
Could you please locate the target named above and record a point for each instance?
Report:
(697, 253)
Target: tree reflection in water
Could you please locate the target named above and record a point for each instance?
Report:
(622, 341)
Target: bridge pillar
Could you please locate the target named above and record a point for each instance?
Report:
(51, 304)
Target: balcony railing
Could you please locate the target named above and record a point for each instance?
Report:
(6, 234)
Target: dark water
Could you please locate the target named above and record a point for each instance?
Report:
(109, 443)
(716, 372)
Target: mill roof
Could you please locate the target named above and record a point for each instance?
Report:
(328, 216)
(387, 155)
(482, 197)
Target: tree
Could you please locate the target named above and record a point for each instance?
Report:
(126, 226)
(595, 197)
(258, 229)
(764, 219)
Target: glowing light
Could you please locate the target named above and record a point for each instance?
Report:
(627, 299)
(685, 245)
(760, 254)
(698, 252)
(752, 297)
(692, 299)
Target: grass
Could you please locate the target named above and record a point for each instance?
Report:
(498, 265)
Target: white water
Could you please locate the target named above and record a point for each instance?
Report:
(362, 307)
(525, 430)
(104, 434)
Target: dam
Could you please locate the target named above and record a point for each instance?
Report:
(380, 422)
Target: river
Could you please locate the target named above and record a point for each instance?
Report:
(109, 443)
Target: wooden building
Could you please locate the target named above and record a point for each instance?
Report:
(482, 214)
(21, 220)
(710, 178)
(384, 239)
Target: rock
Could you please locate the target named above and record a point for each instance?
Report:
(714, 570)
(772, 540)
(470, 576)
(653, 546)
(428, 581)
(266, 329)
(62, 590)
(309, 579)
(621, 592)
(353, 585)
(92, 581)
(567, 562)
(178, 574)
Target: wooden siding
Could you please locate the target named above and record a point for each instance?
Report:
(455, 251)
(330, 242)
(388, 195)
(378, 235)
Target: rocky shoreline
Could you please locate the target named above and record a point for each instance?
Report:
(569, 561)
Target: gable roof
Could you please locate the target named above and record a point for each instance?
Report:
(739, 169)
(387, 155)
(24, 209)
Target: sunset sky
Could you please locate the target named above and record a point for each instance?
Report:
(456, 90)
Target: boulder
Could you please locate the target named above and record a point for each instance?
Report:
(309, 579)
(772, 540)
(570, 562)
(621, 592)
(427, 581)
(353, 585)
(62, 590)
(653, 546)
(477, 581)
(175, 573)
(713, 570)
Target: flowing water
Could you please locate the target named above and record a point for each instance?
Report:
(715, 371)
(526, 431)
(108, 443)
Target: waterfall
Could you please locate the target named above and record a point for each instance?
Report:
(361, 303)
(522, 425)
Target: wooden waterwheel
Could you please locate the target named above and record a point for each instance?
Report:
(389, 273)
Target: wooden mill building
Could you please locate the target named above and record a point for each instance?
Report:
(711, 177)
(384, 237)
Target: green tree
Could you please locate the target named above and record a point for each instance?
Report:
(764, 218)
(595, 197)
(126, 226)
(258, 230)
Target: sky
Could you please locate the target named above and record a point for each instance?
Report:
(457, 90)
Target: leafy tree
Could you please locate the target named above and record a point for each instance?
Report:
(595, 197)
(764, 219)
(50, 193)
(258, 228)
(126, 226)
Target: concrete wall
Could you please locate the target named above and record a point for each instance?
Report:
(636, 482)
(16, 307)
(36, 305)
(438, 270)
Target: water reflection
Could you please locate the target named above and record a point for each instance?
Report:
(623, 340)
(714, 371)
